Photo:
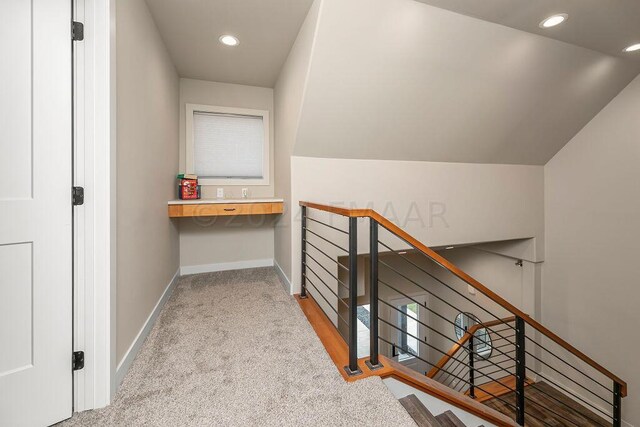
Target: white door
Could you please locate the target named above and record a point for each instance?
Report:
(35, 212)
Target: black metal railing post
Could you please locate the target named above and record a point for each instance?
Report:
(617, 405)
(521, 370)
(353, 369)
(303, 281)
(472, 373)
(373, 362)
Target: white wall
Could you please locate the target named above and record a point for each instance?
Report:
(592, 213)
(222, 243)
(438, 203)
(289, 93)
(147, 155)
(399, 79)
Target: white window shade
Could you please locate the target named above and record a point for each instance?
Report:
(228, 146)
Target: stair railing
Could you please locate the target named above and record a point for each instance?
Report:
(535, 357)
(466, 344)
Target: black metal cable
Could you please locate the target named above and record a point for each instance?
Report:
(458, 373)
(326, 240)
(326, 255)
(429, 292)
(450, 363)
(511, 359)
(327, 225)
(434, 330)
(509, 337)
(434, 312)
(504, 329)
(439, 280)
(444, 353)
(571, 379)
(325, 269)
(419, 340)
(478, 387)
(327, 286)
(568, 364)
(566, 404)
(330, 305)
(504, 345)
(429, 363)
(571, 393)
(497, 381)
(495, 372)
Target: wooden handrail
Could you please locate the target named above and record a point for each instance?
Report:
(462, 341)
(439, 259)
(339, 352)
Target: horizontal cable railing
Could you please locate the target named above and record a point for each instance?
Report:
(322, 246)
(417, 299)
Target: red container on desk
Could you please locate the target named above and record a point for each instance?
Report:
(189, 189)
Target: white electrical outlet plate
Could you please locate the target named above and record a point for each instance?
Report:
(220, 193)
(245, 193)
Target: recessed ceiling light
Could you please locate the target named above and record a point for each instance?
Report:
(229, 40)
(402, 252)
(632, 48)
(554, 20)
(449, 247)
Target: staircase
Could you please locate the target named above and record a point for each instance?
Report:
(501, 365)
(424, 418)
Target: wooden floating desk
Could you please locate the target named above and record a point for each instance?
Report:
(224, 207)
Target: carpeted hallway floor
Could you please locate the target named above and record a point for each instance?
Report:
(233, 349)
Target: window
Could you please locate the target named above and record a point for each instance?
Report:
(482, 340)
(408, 322)
(227, 146)
(364, 319)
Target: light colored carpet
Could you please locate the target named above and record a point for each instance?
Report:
(233, 349)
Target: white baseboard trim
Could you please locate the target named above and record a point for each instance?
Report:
(130, 355)
(286, 283)
(224, 266)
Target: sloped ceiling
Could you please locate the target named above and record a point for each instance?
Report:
(398, 79)
(266, 29)
(605, 26)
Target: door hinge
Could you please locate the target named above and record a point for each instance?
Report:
(77, 361)
(78, 196)
(77, 31)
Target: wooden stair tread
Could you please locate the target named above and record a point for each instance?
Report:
(543, 405)
(449, 419)
(500, 387)
(418, 411)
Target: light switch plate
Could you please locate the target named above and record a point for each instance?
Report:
(245, 193)
(220, 193)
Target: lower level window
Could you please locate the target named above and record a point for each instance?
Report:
(408, 322)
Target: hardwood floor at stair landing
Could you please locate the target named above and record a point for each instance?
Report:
(419, 412)
(570, 413)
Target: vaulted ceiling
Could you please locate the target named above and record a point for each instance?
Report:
(401, 80)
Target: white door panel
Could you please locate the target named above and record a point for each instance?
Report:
(35, 212)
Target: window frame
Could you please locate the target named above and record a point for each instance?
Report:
(190, 143)
(403, 338)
